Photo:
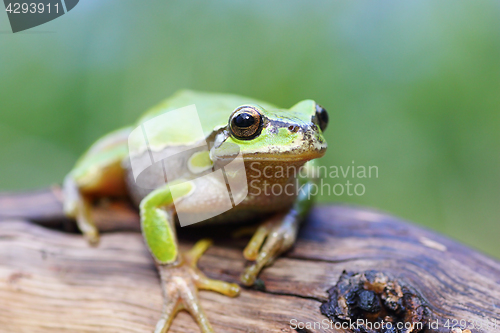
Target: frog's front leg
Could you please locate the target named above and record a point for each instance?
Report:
(180, 277)
(276, 235)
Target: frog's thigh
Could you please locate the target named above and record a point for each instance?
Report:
(99, 171)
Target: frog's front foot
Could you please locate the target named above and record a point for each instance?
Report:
(271, 239)
(180, 284)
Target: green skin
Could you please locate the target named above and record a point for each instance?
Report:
(286, 138)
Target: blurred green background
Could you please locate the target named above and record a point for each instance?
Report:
(412, 87)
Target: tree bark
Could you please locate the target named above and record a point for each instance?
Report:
(52, 281)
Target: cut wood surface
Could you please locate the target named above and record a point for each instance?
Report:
(52, 281)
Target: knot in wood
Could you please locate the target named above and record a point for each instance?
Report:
(373, 301)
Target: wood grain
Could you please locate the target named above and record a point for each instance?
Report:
(52, 281)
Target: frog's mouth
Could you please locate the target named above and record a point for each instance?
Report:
(286, 156)
(304, 152)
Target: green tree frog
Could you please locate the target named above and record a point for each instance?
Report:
(267, 137)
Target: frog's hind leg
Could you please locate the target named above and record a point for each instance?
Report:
(275, 236)
(98, 173)
(180, 277)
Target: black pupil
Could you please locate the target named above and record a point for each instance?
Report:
(244, 120)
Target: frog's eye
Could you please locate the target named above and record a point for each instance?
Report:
(322, 117)
(245, 123)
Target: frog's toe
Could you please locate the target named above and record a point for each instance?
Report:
(202, 282)
(180, 289)
(252, 249)
(271, 249)
(87, 227)
(277, 236)
(180, 292)
(92, 237)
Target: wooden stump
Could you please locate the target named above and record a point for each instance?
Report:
(52, 281)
